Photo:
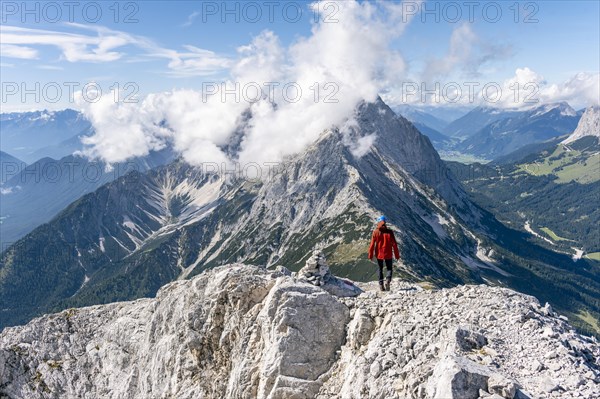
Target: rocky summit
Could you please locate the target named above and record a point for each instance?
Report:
(240, 331)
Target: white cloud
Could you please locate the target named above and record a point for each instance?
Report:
(74, 47)
(51, 67)
(351, 59)
(348, 60)
(194, 62)
(582, 89)
(348, 57)
(467, 54)
(12, 51)
(462, 41)
(194, 127)
(528, 88)
(190, 19)
(108, 45)
(358, 146)
(123, 134)
(525, 89)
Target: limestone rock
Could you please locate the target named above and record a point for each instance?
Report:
(360, 328)
(241, 331)
(457, 378)
(468, 340)
(502, 386)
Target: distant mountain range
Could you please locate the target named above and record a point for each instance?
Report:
(550, 192)
(588, 125)
(527, 150)
(31, 136)
(40, 190)
(439, 140)
(494, 133)
(422, 112)
(10, 166)
(510, 133)
(419, 115)
(476, 119)
(132, 235)
(428, 124)
(576, 158)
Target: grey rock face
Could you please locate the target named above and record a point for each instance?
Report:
(457, 377)
(241, 331)
(469, 340)
(502, 386)
(589, 125)
(302, 345)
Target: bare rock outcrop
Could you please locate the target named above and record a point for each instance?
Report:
(589, 125)
(241, 331)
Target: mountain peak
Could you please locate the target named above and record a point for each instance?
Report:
(589, 125)
(562, 107)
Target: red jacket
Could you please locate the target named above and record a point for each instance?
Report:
(382, 243)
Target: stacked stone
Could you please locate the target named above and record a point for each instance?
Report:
(316, 271)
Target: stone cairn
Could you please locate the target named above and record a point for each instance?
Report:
(316, 271)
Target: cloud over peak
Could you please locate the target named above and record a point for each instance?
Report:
(292, 93)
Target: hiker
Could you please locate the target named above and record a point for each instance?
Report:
(382, 243)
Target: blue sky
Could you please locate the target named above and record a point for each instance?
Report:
(154, 51)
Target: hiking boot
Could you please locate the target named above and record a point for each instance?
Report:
(381, 287)
(387, 285)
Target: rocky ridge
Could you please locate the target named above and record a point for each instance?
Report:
(241, 331)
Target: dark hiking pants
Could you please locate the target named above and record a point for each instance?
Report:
(388, 265)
